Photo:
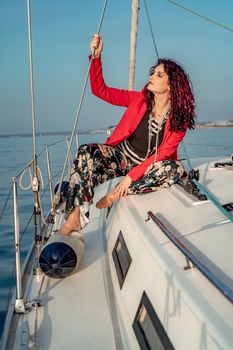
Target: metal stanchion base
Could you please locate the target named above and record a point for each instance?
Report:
(20, 306)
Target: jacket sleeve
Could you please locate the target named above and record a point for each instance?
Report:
(167, 150)
(111, 95)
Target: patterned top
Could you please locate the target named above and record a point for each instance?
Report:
(141, 144)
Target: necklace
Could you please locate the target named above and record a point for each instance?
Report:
(155, 114)
(160, 121)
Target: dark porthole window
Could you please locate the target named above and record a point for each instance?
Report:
(121, 258)
(148, 329)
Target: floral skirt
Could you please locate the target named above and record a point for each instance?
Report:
(97, 163)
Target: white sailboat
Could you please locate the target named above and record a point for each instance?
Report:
(151, 277)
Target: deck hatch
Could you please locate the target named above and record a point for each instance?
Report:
(148, 329)
(121, 258)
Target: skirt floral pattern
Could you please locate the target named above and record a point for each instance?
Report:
(95, 164)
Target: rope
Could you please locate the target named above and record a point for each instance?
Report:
(30, 175)
(80, 106)
(151, 30)
(223, 26)
(21, 178)
(42, 215)
(203, 190)
(27, 166)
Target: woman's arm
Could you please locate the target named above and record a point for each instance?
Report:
(99, 88)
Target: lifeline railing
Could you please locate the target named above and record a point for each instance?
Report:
(35, 183)
(16, 181)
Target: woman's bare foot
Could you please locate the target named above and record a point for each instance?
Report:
(107, 200)
(72, 223)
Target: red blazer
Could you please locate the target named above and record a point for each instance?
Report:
(136, 108)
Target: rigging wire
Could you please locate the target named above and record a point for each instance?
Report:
(55, 143)
(26, 167)
(31, 80)
(56, 197)
(51, 144)
(151, 30)
(42, 151)
(26, 227)
(5, 204)
(200, 187)
(223, 26)
(35, 181)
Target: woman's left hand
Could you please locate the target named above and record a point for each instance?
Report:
(123, 186)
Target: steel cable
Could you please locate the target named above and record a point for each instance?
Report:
(151, 30)
(79, 108)
(223, 26)
(5, 203)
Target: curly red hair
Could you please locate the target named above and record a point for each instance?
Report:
(181, 95)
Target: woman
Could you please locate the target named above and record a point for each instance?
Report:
(143, 147)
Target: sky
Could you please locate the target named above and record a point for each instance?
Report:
(61, 33)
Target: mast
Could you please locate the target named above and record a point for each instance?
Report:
(133, 42)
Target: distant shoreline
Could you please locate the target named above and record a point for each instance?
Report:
(200, 126)
(54, 133)
(105, 131)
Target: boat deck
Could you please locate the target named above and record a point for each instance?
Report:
(82, 311)
(77, 312)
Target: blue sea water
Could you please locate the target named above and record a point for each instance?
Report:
(16, 152)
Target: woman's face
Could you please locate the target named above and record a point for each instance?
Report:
(158, 82)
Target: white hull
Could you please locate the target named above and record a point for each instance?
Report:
(90, 310)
